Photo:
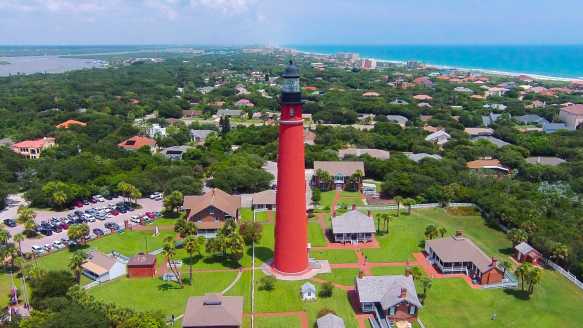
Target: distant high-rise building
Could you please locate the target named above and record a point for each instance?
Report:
(368, 64)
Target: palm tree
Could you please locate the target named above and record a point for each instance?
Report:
(379, 216)
(522, 272)
(517, 236)
(193, 245)
(431, 231)
(409, 202)
(75, 264)
(427, 283)
(4, 236)
(24, 214)
(442, 231)
(59, 198)
(534, 277)
(387, 220)
(560, 253)
(169, 252)
(18, 238)
(398, 199)
(506, 265)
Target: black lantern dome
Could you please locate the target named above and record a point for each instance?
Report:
(290, 91)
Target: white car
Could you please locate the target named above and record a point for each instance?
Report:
(136, 220)
(99, 198)
(47, 247)
(37, 249)
(58, 244)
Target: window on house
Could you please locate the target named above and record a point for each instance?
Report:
(392, 310)
(412, 309)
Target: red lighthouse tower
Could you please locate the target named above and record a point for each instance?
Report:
(291, 253)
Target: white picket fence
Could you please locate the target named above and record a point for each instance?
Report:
(565, 273)
(416, 206)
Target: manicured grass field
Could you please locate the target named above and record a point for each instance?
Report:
(335, 255)
(130, 243)
(326, 199)
(154, 294)
(286, 297)
(406, 235)
(247, 215)
(347, 199)
(391, 270)
(341, 276)
(277, 322)
(555, 303)
(315, 235)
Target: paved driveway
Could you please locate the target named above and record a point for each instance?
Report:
(147, 205)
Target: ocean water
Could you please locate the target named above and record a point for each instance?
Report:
(564, 61)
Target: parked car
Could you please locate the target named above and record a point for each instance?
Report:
(58, 244)
(151, 215)
(46, 232)
(78, 204)
(98, 232)
(136, 219)
(10, 223)
(47, 247)
(37, 249)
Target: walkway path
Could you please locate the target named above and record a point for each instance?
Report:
(237, 278)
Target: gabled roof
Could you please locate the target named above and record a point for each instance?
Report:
(213, 310)
(99, 263)
(573, 109)
(421, 156)
(330, 321)
(353, 222)
(479, 131)
(264, 197)
(38, 143)
(398, 118)
(487, 164)
(436, 135)
(499, 143)
(142, 260)
(530, 119)
(387, 290)
(525, 249)
(216, 198)
(308, 287)
(346, 168)
(137, 142)
(375, 153)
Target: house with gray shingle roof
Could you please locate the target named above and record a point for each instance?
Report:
(399, 119)
(531, 119)
(491, 118)
(330, 320)
(544, 160)
(390, 298)
(421, 156)
(459, 254)
(499, 143)
(353, 227)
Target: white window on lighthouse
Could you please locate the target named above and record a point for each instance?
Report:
(292, 112)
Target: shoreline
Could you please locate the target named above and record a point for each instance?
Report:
(478, 70)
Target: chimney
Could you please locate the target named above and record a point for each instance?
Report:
(369, 213)
(360, 274)
(494, 261)
(334, 213)
(403, 293)
(407, 272)
(353, 207)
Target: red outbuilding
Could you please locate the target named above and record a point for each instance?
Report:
(142, 265)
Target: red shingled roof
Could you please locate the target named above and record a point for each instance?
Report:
(574, 109)
(137, 142)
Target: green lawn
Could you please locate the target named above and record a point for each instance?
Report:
(277, 322)
(315, 235)
(154, 294)
(130, 243)
(247, 215)
(335, 255)
(347, 199)
(406, 235)
(388, 271)
(555, 303)
(286, 297)
(341, 276)
(327, 198)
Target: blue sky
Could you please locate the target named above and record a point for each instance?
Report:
(279, 22)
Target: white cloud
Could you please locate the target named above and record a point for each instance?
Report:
(226, 6)
(59, 6)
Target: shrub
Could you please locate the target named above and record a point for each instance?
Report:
(267, 283)
(326, 290)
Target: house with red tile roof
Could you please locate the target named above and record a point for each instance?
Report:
(68, 123)
(32, 149)
(572, 116)
(488, 166)
(244, 103)
(422, 97)
(137, 142)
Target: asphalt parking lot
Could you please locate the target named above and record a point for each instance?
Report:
(147, 205)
